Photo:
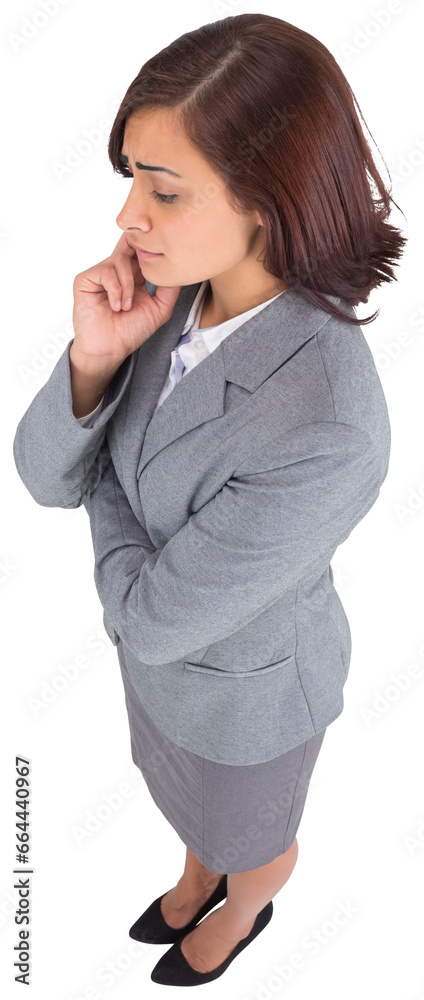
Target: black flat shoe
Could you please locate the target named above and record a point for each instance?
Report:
(173, 969)
(152, 927)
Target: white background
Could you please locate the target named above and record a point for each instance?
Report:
(361, 838)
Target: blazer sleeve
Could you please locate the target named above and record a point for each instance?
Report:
(289, 504)
(59, 460)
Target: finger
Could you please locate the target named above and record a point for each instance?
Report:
(108, 277)
(139, 279)
(123, 246)
(125, 275)
(166, 297)
(102, 278)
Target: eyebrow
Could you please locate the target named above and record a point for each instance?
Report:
(142, 166)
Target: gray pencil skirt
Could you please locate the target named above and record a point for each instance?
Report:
(233, 818)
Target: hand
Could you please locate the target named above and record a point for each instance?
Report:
(108, 334)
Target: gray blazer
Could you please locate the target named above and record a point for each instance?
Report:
(215, 518)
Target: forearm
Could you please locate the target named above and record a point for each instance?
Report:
(58, 460)
(150, 596)
(89, 381)
(280, 518)
(121, 547)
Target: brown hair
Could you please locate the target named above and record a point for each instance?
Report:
(268, 107)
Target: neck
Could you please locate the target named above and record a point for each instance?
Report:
(221, 304)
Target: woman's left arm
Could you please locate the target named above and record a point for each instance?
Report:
(118, 537)
(285, 510)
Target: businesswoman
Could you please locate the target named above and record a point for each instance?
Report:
(219, 414)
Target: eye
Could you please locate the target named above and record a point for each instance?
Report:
(167, 198)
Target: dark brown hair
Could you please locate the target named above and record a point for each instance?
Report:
(268, 107)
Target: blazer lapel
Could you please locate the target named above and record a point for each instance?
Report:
(246, 357)
(149, 375)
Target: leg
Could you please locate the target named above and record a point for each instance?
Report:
(249, 892)
(195, 886)
(195, 874)
(214, 938)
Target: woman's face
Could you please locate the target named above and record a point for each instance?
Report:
(197, 233)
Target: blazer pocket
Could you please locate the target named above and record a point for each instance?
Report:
(257, 672)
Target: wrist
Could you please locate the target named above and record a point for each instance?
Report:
(93, 370)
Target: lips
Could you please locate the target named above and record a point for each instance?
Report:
(143, 249)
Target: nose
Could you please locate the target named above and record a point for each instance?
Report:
(132, 215)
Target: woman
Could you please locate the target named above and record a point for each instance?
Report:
(225, 434)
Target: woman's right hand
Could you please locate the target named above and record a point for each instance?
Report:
(108, 334)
